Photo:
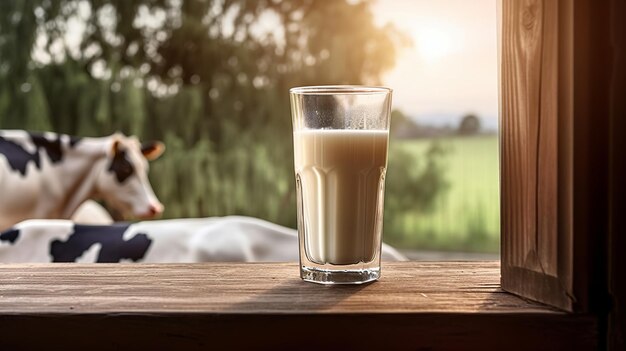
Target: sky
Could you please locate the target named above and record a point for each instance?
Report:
(451, 68)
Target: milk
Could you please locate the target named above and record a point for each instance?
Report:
(340, 176)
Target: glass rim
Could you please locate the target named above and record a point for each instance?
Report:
(339, 90)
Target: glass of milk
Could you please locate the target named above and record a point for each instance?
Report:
(340, 137)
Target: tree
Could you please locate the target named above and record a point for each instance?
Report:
(204, 76)
(403, 127)
(470, 125)
(210, 47)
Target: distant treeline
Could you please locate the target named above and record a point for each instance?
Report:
(405, 127)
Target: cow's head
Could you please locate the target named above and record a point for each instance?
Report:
(124, 183)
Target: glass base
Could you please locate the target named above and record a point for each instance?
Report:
(331, 277)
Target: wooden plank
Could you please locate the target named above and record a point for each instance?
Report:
(617, 185)
(547, 144)
(592, 54)
(565, 162)
(251, 288)
(588, 106)
(557, 64)
(535, 169)
(434, 305)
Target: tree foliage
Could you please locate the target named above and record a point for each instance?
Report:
(210, 78)
(470, 124)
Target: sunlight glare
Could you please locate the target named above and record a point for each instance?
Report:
(435, 41)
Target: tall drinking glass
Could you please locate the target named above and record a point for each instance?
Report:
(340, 136)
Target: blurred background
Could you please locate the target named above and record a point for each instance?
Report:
(211, 78)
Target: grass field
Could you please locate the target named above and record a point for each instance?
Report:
(252, 179)
(466, 216)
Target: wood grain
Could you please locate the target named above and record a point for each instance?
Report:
(535, 168)
(251, 288)
(561, 240)
(435, 305)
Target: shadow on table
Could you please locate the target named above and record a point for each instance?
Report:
(297, 296)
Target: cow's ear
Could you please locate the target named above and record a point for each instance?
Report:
(152, 150)
(115, 147)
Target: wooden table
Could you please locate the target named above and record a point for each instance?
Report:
(436, 305)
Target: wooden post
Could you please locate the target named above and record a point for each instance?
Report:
(556, 70)
(535, 125)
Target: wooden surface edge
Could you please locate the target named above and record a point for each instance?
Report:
(367, 331)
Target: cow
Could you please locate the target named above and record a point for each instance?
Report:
(48, 175)
(91, 212)
(213, 239)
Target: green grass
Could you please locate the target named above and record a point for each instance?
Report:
(255, 179)
(466, 216)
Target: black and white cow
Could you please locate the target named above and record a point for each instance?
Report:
(233, 238)
(50, 175)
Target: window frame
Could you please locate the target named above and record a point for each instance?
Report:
(555, 110)
(569, 59)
